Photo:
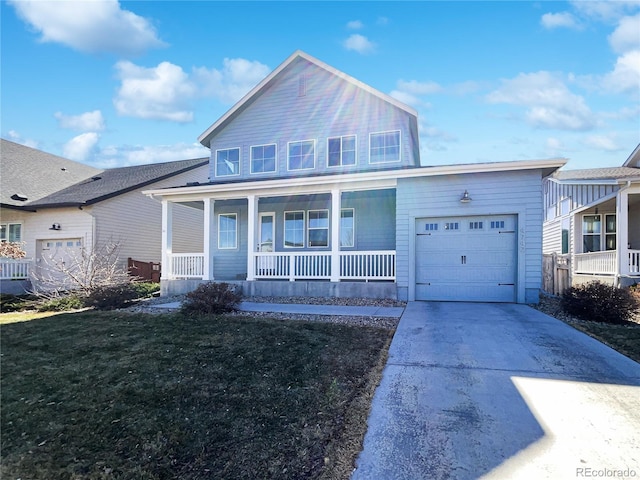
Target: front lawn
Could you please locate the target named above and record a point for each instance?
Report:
(97, 395)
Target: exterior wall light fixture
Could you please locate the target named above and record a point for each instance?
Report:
(465, 198)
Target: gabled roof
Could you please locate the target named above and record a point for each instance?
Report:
(258, 90)
(591, 174)
(116, 181)
(634, 158)
(27, 174)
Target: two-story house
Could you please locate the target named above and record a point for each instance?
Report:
(592, 222)
(316, 188)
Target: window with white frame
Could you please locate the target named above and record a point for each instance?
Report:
(301, 155)
(341, 151)
(610, 232)
(227, 231)
(591, 232)
(263, 158)
(294, 229)
(318, 228)
(384, 147)
(347, 227)
(227, 162)
(10, 232)
(566, 225)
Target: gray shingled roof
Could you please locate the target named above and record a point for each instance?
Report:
(116, 181)
(34, 174)
(612, 173)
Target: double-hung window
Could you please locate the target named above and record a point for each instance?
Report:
(591, 232)
(263, 158)
(384, 147)
(318, 228)
(294, 229)
(341, 151)
(610, 232)
(227, 231)
(347, 228)
(227, 162)
(10, 232)
(301, 155)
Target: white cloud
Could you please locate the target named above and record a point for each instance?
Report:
(88, 121)
(17, 138)
(626, 37)
(602, 142)
(559, 20)
(359, 43)
(94, 26)
(549, 102)
(625, 77)
(122, 156)
(605, 11)
(230, 84)
(355, 25)
(554, 144)
(419, 88)
(80, 148)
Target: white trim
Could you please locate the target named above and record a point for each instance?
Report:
(275, 166)
(341, 137)
(235, 240)
(399, 147)
(284, 228)
(289, 169)
(328, 228)
(8, 230)
(215, 161)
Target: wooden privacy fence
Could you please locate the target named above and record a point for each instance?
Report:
(144, 270)
(556, 273)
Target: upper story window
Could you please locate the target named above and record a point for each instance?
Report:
(341, 151)
(384, 147)
(302, 155)
(10, 232)
(263, 158)
(227, 162)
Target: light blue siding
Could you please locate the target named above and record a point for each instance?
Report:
(331, 107)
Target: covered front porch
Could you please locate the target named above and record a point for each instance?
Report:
(331, 239)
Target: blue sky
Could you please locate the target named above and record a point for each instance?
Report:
(114, 83)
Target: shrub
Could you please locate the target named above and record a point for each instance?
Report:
(112, 296)
(211, 298)
(62, 304)
(145, 289)
(600, 302)
(14, 303)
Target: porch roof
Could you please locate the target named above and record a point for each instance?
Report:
(355, 181)
(595, 174)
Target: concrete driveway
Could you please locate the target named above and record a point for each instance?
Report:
(500, 391)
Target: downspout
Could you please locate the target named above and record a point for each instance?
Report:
(620, 246)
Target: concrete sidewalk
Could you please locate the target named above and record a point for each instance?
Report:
(304, 309)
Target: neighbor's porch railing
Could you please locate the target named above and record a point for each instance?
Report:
(604, 263)
(186, 265)
(15, 269)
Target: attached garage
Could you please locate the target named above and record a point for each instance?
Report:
(471, 258)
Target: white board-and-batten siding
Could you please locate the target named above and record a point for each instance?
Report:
(578, 195)
(135, 221)
(500, 193)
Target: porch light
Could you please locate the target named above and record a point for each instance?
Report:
(465, 197)
(55, 226)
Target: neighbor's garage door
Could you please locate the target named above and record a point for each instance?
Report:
(466, 259)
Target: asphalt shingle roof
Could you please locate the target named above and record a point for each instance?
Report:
(611, 173)
(34, 174)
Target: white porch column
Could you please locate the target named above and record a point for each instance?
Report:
(209, 237)
(622, 231)
(167, 239)
(252, 222)
(336, 202)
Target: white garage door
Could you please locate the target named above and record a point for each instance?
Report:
(466, 259)
(56, 256)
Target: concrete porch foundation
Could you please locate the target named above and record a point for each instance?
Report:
(380, 290)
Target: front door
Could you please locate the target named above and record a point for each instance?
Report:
(266, 243)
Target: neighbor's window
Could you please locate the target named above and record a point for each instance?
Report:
(10, 232)
(347, 227)
(227, 231)
(384, 147)
(294, 229)
(591, 230)
(318, 229)
(227, 162)
(302, 155)
(263, 158)
(341, 151)
(610, 232)
(566, 224)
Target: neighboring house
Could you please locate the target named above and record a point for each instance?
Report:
(59, 208)
(316, 188)
(592, 218)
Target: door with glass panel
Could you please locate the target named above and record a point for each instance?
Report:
(266, 243)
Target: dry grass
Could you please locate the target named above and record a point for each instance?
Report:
(117, 395)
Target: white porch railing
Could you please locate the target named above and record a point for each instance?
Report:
(634, 262)
(186, 265)
(375, 265)
(597, 263)
(14, 269)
